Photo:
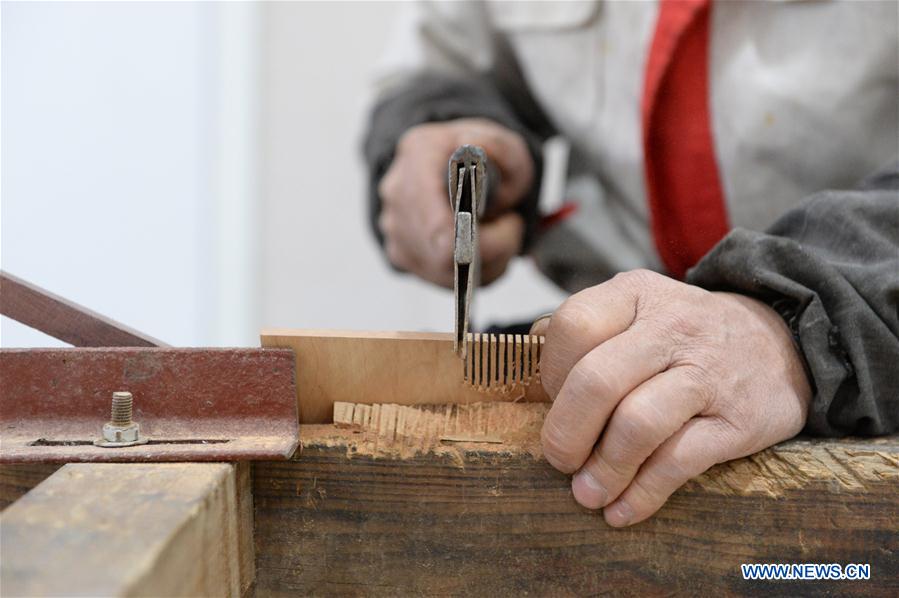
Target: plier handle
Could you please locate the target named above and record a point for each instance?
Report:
(468, 186)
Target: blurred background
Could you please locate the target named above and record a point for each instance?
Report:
(193, 171)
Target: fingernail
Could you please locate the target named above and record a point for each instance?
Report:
(540, 324)
(619, 514)
(588, 491)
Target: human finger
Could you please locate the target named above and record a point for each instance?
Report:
(591, 392)
(509, 152)
(584, 321)
(540, 325)
(641, 422)
(699, 444)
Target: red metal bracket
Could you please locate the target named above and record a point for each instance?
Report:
(192, 404)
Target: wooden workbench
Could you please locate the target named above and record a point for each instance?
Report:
(457, 500)
(444, 494)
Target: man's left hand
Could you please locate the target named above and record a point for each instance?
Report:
(654, 381)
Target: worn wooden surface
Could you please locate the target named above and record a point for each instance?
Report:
(18, 478)
(131, 530)
(381, 367)
(63, 319)
(392, 503)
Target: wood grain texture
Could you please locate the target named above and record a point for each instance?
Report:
(386, 505)
(63, 319)
(131, 530)
(18, 478)
(408, 368)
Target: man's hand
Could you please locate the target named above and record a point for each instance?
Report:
(416, 218)
(654, 381)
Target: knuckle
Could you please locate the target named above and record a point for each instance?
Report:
(571, 318)
(682, 331)
(387, 188)
(637, 278)
(588, 384)
(645, 286)
(412, 137)
(682, 323)
(645, 497)
(677, 467)
(700, 385)
(673, 476)
(634, 425)
(395, 255)
(518, 143)
(495, 135)
(610, 465)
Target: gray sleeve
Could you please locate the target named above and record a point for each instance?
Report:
(436, 97)
(830, 267)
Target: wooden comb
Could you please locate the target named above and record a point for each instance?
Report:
(502, 362)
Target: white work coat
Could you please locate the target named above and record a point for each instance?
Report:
(804, 97)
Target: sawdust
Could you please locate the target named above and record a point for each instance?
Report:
(490, 428)
(400, 431)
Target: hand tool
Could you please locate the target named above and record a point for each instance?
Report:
(492, 361)
(468, 198)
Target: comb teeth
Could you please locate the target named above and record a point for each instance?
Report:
(501, 362)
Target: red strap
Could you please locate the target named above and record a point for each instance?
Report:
(548, 221)
(683, 186)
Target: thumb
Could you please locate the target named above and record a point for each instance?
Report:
(540, 325)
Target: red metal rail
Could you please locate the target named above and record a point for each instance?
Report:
(192, 404)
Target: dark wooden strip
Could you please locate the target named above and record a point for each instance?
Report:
(63, 319)
(360, 512)
(18, 478)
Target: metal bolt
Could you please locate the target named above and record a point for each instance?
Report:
(122, 403)
(121, 430)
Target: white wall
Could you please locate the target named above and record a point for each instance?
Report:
(321, 266)
(192, 170)
(105, 160)
(126, 131)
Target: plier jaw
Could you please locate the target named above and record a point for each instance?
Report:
(467, 192)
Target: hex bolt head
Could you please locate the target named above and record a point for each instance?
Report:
(121, 430)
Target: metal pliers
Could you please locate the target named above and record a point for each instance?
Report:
(469, 192)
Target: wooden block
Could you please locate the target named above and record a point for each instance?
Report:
(364, 513)
(18, 478)
(136, 529)
(405, 368)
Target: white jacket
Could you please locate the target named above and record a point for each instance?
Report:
(804, 97)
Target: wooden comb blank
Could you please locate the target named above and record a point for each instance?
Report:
(502, 362)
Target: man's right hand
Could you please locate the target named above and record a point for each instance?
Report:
(416, 217)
